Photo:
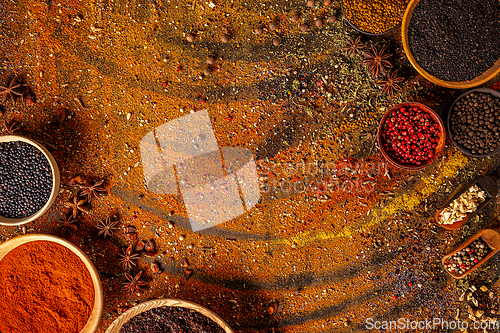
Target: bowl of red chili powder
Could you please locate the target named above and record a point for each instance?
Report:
(47, 285)
(168, 315)
(411, 136)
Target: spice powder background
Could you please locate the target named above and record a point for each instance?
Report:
(329, 260)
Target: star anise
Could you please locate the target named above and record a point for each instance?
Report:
(67, 223)
(107, 226)
(11, 91)
(77, 206)
(354, 47)
(11, 127)
(376, 62)
(93, 191)
(134, 284)
(128, 258)
(391, 84)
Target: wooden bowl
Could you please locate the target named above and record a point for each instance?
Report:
(487, 184)
(56, 181)
(95, 315)
(440, 145)
(490, 236)
(486, 76)
(460, 147)
(156, 303)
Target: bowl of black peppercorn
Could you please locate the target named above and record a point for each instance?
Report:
(474, 122)
(29, 180)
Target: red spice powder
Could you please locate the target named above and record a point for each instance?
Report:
(44, 287)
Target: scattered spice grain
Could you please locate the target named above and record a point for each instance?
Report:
(45, 287)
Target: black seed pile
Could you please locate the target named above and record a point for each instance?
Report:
(455, 40)
(475, 123)
(25, 179)
(468, 257)
(171, 320)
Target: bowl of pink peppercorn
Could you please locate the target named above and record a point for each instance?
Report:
(411, 136)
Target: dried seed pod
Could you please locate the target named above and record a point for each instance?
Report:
(310, 3)
(224, 38)
(190, 38)
(129, 229)
(150, 248)
(155, 268)
(210, 61)
(185, 263)
(187, 273)
(276, 41)
(131, 236)
(318, 22)
(294, 18)
(139, 246)
(207, 71)
(272, 308)
(304, 27)
(272, 26)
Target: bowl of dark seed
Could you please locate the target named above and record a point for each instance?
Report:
(168, 315)
(474, 122)
(29, 180)
(472, 253)
(453, 43)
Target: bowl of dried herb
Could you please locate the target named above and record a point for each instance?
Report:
(373, 17)
(453, 44)
(48, 285)
(29, 179)
(158, 315)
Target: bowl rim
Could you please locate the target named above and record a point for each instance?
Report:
(455, 143)
(484, 77)
(366, 32)
(440, 145)
(95, 315)
(56, 180)
(117, 324)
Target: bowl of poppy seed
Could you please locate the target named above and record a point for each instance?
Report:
(453, 43)
(168, 315)
(29, 180)
(411, 136)
(474, 122)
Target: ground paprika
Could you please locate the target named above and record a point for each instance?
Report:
(44, 287)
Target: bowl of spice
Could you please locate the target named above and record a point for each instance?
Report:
(29, 180)
(473, 122)
(454, 44)
(48, 285)
(472, 253)
(467, 203)
(168, 315)
(411, 136)
(374, 17)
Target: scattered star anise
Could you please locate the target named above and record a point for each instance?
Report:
(128, 258)
(11, 127)
(107, 226)
(134, 284)
(354, 47)
(77, 206)
(376, 62)
(391, 84)
(67, 223)
(93, 191)
(11, 91)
